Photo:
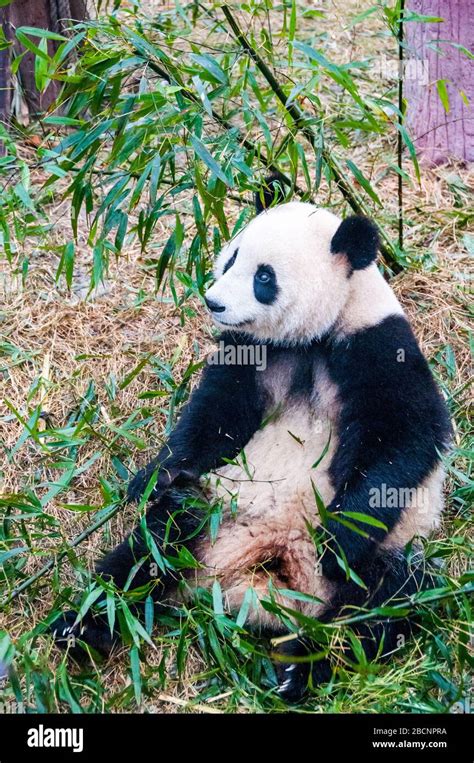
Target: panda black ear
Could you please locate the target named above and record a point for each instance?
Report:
(272, 192)
(358, 238)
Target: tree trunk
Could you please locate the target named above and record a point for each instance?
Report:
(55, 15)
(440, 135)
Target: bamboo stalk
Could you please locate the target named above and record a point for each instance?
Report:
(355, 201)
(409, 603)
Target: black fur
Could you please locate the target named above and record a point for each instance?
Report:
(392, 427)
(357, 237)
(273, 192)
(230, 261)
(305, 364)
(390, 580)
(96, 635)
(221, 416)
(171, 522)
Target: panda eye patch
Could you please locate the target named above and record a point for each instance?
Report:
(230, 261)
(265, 284)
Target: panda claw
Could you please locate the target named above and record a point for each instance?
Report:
(292, 680)
(292, 690)
(93, 631)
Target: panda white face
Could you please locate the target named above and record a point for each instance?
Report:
(278, 280)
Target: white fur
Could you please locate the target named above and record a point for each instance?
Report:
(370, 300)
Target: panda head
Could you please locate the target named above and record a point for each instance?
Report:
(286, 277)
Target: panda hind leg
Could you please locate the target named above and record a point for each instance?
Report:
(390, 579)
(171, 521)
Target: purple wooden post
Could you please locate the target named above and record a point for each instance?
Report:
(439, 135)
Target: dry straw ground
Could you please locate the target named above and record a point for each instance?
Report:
(67, 340)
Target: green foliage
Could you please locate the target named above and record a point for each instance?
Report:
(152, 124)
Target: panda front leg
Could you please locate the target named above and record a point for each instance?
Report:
(170, 522)
(390, 579)
(221, 416)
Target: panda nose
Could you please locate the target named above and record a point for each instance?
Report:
(214, 307)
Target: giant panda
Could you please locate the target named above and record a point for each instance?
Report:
(325, 460)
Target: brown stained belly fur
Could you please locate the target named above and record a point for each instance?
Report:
(267, 503)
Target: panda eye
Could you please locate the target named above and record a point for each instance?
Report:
(265, 285)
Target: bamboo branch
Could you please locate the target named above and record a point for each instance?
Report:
(224, 123)
(355, 201)
(54, 561)
(411, 602)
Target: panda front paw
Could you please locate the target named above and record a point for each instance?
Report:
(294, 678)
(137, 485)
(292, 682)
(75, 637)
(168, 476)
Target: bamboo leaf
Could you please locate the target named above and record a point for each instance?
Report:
(209, 161)
(363, 182)
(210, 65)
(366, 518)
(443, 93)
